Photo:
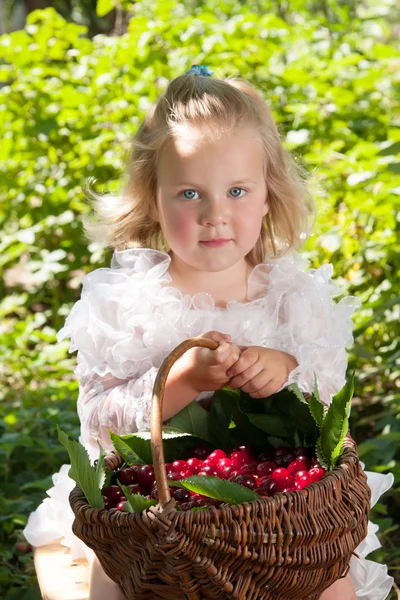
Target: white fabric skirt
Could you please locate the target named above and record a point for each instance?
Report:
(53, 519)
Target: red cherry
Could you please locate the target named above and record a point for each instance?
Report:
(300, 474)
(295, 466)
(203, 502)
(181, 495)
(194, 464)
(121, 504)
(282, 478)
(249, 468)
(265, 457)
(226, 472)
(268, 486)
(235, 473)
(305, 459)
(186, 506)
(239, 458)
(316, 474)
(127, 476)
(209, 470)
(154, 494)
(246, 480)
(187, 473)
(216, 455)
(266, 468)
(289, 489)
(302, 481)
(315, 463)
(136, 488)
(146, 476)
(114, 493)
(179, 465)
(174, 476)
(224, 462)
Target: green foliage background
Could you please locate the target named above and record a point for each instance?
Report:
(69, 105)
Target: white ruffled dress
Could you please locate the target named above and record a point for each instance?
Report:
(129, 318)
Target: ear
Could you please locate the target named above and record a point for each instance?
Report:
(266, 205)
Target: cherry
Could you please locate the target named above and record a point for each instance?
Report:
(121, 505)
(301, 451)
(194, 464)
(187, 473)
(127, 476)
(203, 502)
(107, 502)
(282, 478)
(200, 451)
(316, 474)
(305, 459)
(226, 472)
(266, 468)
(174, 476)
(301, 481)
(136, 488)
(288, 458)
(154, 494)
(280, 451)
(295, 466)
(181, 495)
(246, 480)
(224, 462)
(186, 506)
(146, 476)
(265, 457)
(268, 487)
(179, 465)
(239, 458)
(289, 489)
(216, 455)
(113, 492)
(249, 468)
(209, 470)
(235, 473)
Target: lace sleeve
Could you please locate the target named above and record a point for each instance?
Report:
(108, 403)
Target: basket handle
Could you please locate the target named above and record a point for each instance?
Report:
(157, 448)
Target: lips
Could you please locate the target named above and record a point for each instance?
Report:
(215, 242)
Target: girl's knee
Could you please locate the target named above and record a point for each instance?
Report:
(342, 589)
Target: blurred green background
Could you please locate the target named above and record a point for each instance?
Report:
(75, 81)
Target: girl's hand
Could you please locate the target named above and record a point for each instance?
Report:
(205, 369)
(261, 371)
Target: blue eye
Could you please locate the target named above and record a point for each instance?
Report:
(237, 189)
(189, 195)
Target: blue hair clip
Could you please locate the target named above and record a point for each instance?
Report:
(201, 70)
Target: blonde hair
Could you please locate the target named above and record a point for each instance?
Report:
(125, 221)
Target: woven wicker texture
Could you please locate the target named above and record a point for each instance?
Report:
(290, 546)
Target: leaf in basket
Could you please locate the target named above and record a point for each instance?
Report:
(220, 418)
(129, 450)
(335, 425)
(213, 487)
(277, 442)
(176, 443)
(315, 405)
(293, 387)
(89, 479)
(272, 424)
(135, 502)
(191, 419)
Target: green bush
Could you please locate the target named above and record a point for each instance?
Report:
(69, 107)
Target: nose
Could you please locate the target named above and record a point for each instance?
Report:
(215, 212)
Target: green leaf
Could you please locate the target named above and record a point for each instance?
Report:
(129, 449)
(272, 424)
(82, 472)
(335, 425)
(390, 150)
(315, 405)
(213, 487)
(293, 387)
(103, 7)
(220, 418)
(191, 419)
(135, 502)
(177, 444)
(277, 442)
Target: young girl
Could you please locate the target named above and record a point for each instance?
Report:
(204, 239)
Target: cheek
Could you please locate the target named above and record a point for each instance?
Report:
(248, 222)
(179, 224)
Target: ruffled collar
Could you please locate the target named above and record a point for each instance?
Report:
(154, 265)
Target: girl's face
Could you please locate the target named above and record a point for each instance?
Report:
(211, 189)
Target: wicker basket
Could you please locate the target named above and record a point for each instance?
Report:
(290, 546)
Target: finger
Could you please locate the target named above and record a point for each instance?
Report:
(219, 355)
(243, 378)
(256, 383)
(268, 390)
(248, 358)
(216, 336)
